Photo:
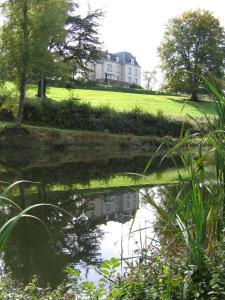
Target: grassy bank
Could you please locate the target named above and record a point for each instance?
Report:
(46, 138)
(77, 114)
(71, 114)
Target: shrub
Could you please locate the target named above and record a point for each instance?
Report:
(71, 114)
(135, 86)
(8, 103)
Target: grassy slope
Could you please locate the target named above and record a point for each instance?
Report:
(169, 105)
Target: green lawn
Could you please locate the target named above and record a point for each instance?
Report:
(168, 105)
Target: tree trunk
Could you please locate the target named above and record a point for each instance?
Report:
(42, 86)
(194, 96)
(22, 90)
(24, 63)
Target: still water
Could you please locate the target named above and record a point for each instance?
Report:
(106, 207)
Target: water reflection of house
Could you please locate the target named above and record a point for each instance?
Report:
(119, 207)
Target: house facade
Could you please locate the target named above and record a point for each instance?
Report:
(119, 68)
(119, 207)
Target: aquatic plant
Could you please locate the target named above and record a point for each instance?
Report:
(198, 207)
(7, 228)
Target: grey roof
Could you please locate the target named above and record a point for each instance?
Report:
(125, 57)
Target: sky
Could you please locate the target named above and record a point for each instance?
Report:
(138, 26)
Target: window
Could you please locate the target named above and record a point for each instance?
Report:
(136, 72)
(118, 69)
(108, 206)
(108, 57)
(132, 61)
(129, 70)
(117, 59)
(129, 79)
(109, 67)
(118, 77)
(136, 81)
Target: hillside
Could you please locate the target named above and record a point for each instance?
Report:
(154, 104)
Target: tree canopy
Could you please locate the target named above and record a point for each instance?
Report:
(193, 47)
(43, 39)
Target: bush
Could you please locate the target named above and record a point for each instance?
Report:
(80, 84)
(155, 275)
(8, 103)
(71, 114)
(135, 86)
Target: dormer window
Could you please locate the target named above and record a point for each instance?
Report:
(117, 59)
(132, 61)
(108, 57)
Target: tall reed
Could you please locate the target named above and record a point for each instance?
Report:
(198, 207)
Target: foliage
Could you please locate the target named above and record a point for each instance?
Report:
(8, 290)
(73, 289)
(47, 20)
(41, 39)
(135, 86)
(193, 48)
(16, 49)
(70, 42)
(7, 99)
(155, 275)
(73, 115)
(82, 44)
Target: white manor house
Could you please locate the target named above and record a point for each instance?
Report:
(119, 68)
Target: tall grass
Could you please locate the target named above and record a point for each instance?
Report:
(197, 210)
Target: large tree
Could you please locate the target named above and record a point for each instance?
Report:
(80, 45)
(193, 47)
(15, 47)
(45, 38)
(47, 30)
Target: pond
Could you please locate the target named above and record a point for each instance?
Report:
(103, 195)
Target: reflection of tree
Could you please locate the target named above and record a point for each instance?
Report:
(82, 171)
(30, 251)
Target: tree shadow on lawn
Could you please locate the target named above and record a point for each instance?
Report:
(206, 107)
